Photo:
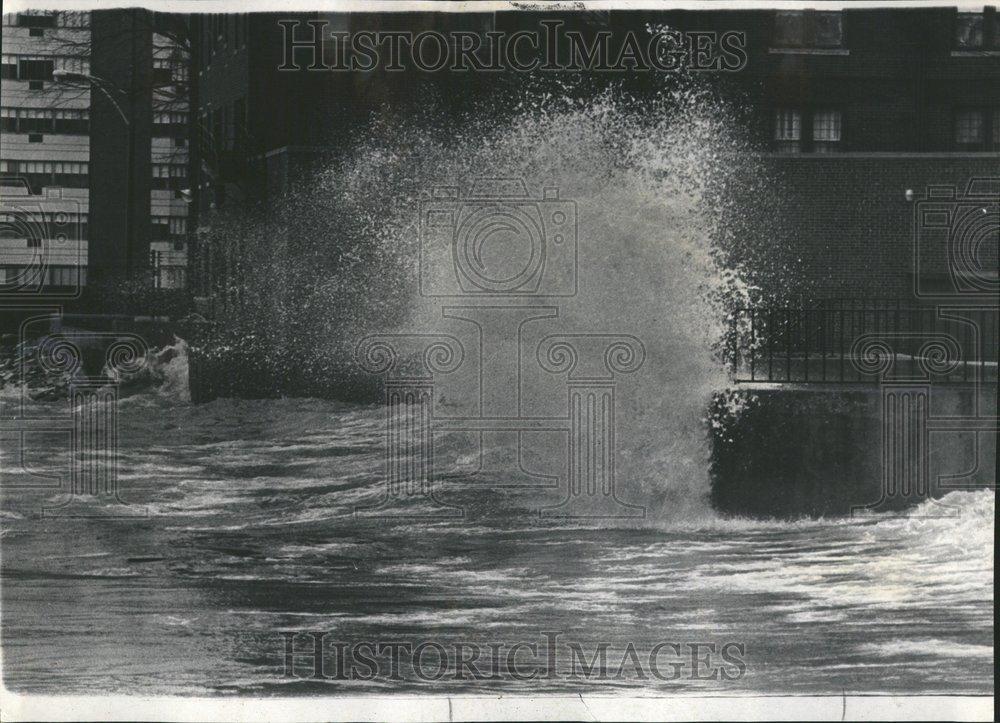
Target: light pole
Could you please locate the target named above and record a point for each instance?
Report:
(106, 87)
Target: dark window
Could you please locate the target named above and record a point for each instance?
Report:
(35, 85)
(969, 30)
(161, 229)
(787, 130)
(974, 31)
(798, 130)
(977, 129)
(74, 125)
(36, 33)
(35, 69)
(35, 138)
(36, 20)
(65, 276)
(162, 77)
(34, 121)
(826, 131)
(970, 129)
(9, 68)
(808, 29)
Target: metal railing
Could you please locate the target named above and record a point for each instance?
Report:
(860, 341)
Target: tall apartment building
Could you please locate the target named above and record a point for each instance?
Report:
(74, 133)
(44, 153)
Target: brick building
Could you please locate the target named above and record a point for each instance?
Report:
(855, 112)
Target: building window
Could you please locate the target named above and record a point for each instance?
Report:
(169, 176)
(71, 121)
(65, 276)
(808, 29)
(977, 129)
(36, 33)
(35, 69)
(9, 67)
(36, 20)
(826, 131)
(969, 30)
(170, 124)
(969, 127)
(816, 131)
(787, 130)
(38, 120)
(43, 174)
(975, 31)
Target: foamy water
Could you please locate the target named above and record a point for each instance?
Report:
(250, 532)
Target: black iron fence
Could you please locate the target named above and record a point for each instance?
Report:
(864, 341)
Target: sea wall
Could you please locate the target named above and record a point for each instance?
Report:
(828, 450)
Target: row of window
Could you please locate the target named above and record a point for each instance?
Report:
(40, 67)
(48, 174)
(44, 120)
(821, 131)
(795, 130)
(50, 19)
(14, 167)
(824, 29)
(170, 118)
(165, 277)
(169, 177)
(165, 227)
(15, 226)
(79, 231)
(55, 174)
(71, 276)
(169, 70)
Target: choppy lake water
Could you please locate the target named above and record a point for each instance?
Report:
(249, 533)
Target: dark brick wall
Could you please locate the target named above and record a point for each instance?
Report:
(846, 228)
(122, 55)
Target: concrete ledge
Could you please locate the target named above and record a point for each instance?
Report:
(818, 451)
